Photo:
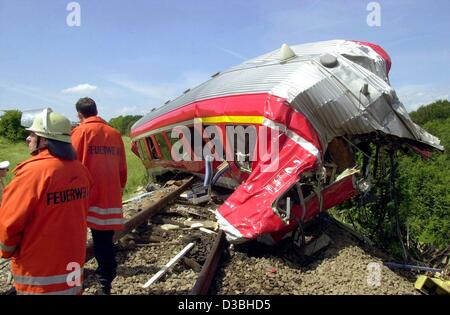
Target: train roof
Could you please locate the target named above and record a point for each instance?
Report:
(341, 86)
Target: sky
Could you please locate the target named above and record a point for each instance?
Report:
(132, 56)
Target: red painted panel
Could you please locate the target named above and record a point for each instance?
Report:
(269, 106)
(249, 208)
(332, 196)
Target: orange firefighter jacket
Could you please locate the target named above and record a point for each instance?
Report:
(43, 225)
(100, 148)
(2, 186)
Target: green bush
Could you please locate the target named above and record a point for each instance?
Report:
(426, 190)
(422, 191)
(123, 123)
(439, 110)
(10, 127)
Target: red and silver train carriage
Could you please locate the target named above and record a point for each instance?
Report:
(310, 106)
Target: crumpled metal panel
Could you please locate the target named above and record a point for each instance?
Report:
(330, 98)
(248, 213)
(335, 105)
(332, 195)
(310, 104)
(355, 51)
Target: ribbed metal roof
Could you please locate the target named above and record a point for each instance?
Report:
(332, 98)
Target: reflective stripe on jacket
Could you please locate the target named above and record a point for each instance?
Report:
(55, 285)
(43, 224)
(100, 148)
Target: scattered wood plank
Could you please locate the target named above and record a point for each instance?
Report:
(149, 209)
(207, 231)
(172, 262)
(161, 220)
(205, 224)
(138, 197)
(187, 212)
(170, 227)
(160, 244)
(155, 238)
(192, 263)
(174, 183)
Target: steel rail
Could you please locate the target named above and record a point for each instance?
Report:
(208, 272)
(142, 216)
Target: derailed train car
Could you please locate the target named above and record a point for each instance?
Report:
(309, 108)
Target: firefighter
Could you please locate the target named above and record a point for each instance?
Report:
(101, 149)
(4, 165)
(43, 212)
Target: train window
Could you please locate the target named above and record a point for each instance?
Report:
(139, 148)
(152, 148)
(167, 139)
(215, 141)
(163, 148)
(173, 140)
(142, 150)
(241, 140)
(180, 138)
(195, 133)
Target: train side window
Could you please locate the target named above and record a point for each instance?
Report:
(141, 152)
(241, 140)
(173, 140)
(167, 140)
(163, 148)
(145, 149)
(152, 148)
(195, 132)
(217, 146)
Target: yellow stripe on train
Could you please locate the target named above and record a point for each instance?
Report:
(230, 119)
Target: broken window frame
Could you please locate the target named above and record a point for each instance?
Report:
(142, 149)
(245, 166)
(286, 214)
(205, 140)
(164, 150)
(153, 152)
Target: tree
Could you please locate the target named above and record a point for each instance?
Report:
(10, 127)
(123, 123)
(422, 194)
(439, 110)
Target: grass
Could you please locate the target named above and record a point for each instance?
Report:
(137, 174)
(18, 152)
(14, 153)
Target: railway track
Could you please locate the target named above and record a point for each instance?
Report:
(162, 224)
(252, 268)
(145, 249)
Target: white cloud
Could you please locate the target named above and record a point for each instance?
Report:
(80, 89)
(232, 53)
(415, 95)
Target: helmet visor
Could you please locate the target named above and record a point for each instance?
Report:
(28, 116)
